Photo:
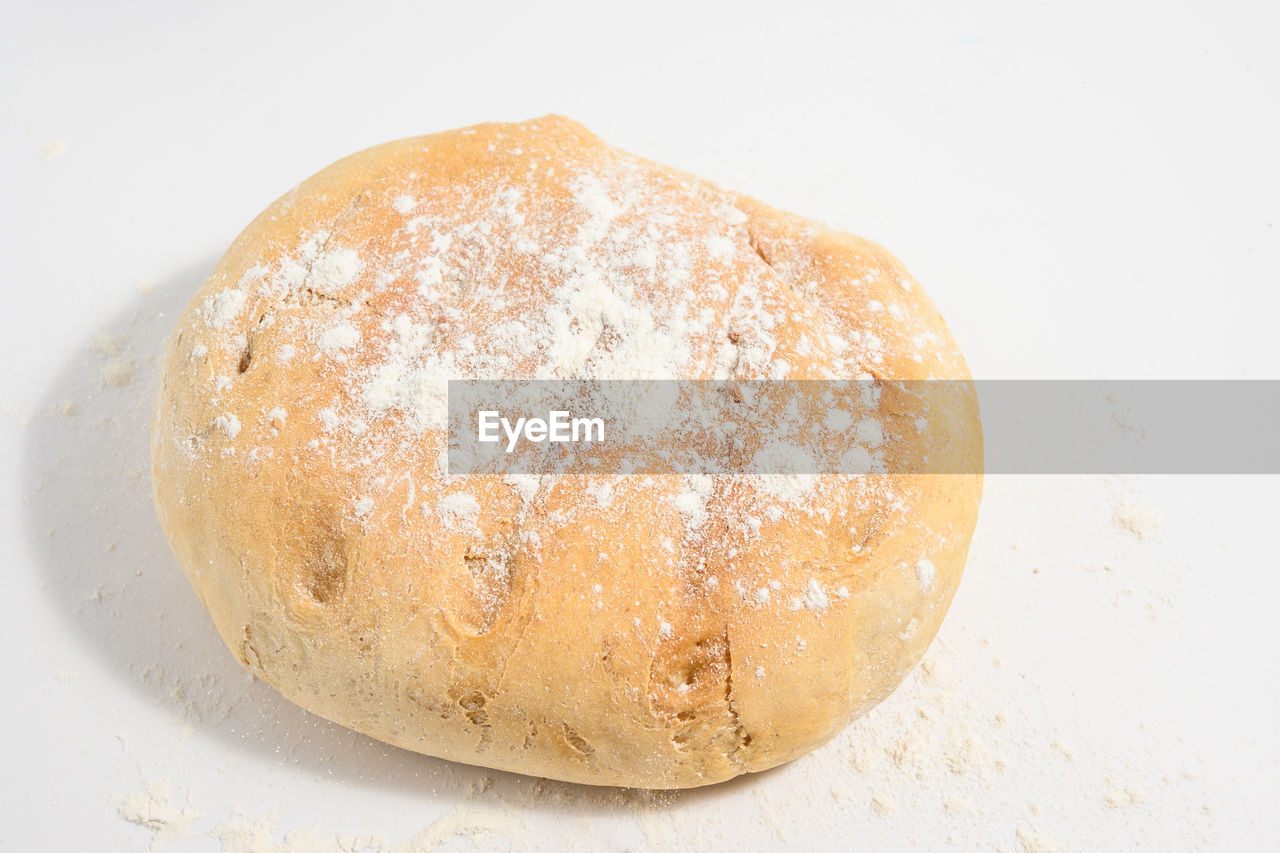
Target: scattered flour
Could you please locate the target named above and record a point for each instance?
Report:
(925, 574)
(333, 271)
(1032, 840)
(342, 336)
(223, 307)
(228, 423)
(459, 511)
(152, 808)
(117, 373)
(815, 597)
(1137, 519)
(486, 826)
(53, 149)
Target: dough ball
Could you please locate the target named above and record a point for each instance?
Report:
(651, 631)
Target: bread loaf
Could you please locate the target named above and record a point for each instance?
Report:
(655, 631)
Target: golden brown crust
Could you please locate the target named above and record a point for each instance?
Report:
(643, 631)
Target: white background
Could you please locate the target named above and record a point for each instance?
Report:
(1086, 190)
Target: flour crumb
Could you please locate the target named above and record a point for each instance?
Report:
(1033, 841)
(241, 835)
(883, 805)
(1137, 519)
(333, 271)
(459, 511)
(224, 307)
(117, 373)
(228, 423)
(524, 485)
(151, 808)
(692, 502)
(53, 149)
(964, 756)
(814, 598)
(107, 345)
(1119, 795)
(342, 336)
(720, 248)
(925, 574)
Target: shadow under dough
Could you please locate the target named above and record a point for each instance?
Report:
(91, 521)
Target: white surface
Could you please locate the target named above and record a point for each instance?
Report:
(1086, 190)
